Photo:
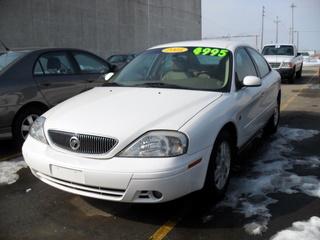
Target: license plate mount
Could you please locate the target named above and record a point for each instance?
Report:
(67, 174)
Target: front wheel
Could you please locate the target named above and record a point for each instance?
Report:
(299, 73)
(292, 77)
(273, 122)
(219, 168)
(23, 122)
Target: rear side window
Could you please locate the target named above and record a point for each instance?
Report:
(55, 63)
(244, 65)
(261, 63)
(90, 64)
(38, 69)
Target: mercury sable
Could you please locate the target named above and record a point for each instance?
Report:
(169, 123)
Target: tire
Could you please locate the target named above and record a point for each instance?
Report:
(213, 188)
(273, 123)
(299, 73)
(23, 122)
(292, 77)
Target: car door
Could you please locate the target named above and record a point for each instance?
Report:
(91, 68)
(269, 86)
(247, 98)
(57, 77)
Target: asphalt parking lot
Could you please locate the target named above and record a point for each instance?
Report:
(276, 184)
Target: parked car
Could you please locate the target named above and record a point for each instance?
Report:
(169, 123)
(306, 56)
(285, 59)
(32, 81)
(120, 60)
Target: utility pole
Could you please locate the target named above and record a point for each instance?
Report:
(298, 39)
(277, 21)
(262, 23)
(292, 22)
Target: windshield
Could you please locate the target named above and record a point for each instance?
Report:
(8, 57)
(196, 68)
(278, 50)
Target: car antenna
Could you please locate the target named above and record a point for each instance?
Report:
(4, 46)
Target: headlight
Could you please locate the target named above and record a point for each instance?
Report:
(287, 65)
(157, 144)
(37, 131)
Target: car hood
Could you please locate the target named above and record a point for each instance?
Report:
(278, 58)
(125, 113)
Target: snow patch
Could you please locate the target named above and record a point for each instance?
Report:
(271, 173)
(255, 228)
(306, 230)
(9, 169)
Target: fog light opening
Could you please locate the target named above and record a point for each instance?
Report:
(157, 194)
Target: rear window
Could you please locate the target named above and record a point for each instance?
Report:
(285, 50)
(9, 57)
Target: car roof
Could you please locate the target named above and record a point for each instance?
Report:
(43, 49)
(279, 44)
(231, 45)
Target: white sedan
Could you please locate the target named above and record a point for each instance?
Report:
(168, 124)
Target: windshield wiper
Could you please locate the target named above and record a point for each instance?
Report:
(160, 85)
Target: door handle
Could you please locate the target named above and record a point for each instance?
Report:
(90, 80)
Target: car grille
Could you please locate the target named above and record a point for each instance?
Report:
(88, 144)
(275, 65)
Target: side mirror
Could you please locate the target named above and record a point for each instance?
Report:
(108, 76)
(299, 54)
(252, 81)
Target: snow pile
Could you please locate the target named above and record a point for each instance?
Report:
(9, 169)
(309, 230)
(250, 194)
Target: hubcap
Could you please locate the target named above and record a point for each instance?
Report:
(223, 162)
(26, 124)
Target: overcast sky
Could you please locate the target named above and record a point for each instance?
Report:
(242, 17)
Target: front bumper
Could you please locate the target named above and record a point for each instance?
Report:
(285, 72)
(117, 179)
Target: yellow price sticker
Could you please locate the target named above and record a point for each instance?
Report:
(175, 50)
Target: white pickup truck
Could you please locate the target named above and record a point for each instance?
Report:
(285, 59)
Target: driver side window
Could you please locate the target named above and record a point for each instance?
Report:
(244, 66)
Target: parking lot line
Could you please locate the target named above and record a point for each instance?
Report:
(9, 157)
(287, 103)
(164, 229)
